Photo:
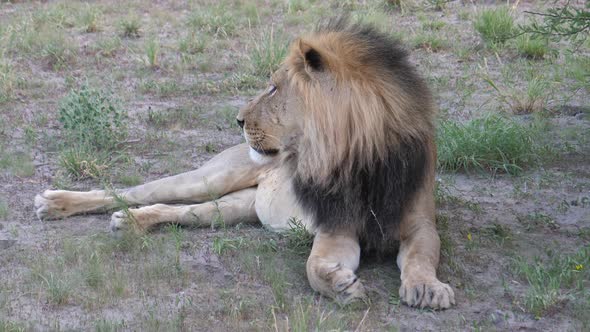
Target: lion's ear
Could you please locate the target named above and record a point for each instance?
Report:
(312, 57)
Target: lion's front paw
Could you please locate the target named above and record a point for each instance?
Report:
(336, 281)
(123, 221)
(427, 294)
(51, 205)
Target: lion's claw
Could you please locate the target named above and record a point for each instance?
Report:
(427, 294)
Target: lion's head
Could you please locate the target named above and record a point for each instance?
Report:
(343, 98)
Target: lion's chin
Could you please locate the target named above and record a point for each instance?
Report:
(262, 156)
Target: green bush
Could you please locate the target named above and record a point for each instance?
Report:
(93, 127)
(91, 119)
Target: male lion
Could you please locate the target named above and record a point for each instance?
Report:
(342, 139)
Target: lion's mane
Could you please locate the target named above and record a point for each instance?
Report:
(367, 139)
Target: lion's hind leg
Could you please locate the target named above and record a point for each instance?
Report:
(331, 266)
(229, 171)
(230, 209)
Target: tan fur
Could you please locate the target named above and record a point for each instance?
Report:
(352, 110)
(324, 120)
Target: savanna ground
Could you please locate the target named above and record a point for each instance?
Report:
(112, 94)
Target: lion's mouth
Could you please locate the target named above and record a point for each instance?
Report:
(265, 152)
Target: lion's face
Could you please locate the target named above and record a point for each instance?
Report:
(270, 120)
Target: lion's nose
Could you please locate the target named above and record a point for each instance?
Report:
(240, 123)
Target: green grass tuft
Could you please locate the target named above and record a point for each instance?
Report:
(495, 26)
(90, 19)
(299, 239)
(532, 47)
(152, 53)
(83, 163)
(268, 53)
(493, 143)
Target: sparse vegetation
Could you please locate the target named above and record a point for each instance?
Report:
(7, 80)
(18, 163)
(107, 47)
(555, 281)
(3, 209)
(216, 20)
(438, 4)
(429, 41)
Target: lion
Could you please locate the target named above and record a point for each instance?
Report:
(343, 140)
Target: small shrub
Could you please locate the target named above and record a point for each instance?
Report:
(91, 119)
(492, 143)
(532, 47)
(89, 19)
(130, 26)
(495, 25)
(268, 53)
(93, 126)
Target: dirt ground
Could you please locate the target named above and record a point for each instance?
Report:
(71, 274)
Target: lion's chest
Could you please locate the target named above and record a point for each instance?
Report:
(276, 203)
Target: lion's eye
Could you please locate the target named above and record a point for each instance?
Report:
(271, 90)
